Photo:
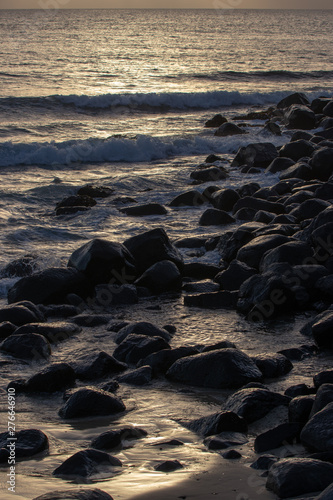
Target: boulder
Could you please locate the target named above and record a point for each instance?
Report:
(161, 277)
(300, 170)
(107, 440)
(318, 104)
(85, 463)
(248, 189)
(225, 421)
(95, 191)
(258, 155)
(19, 268)
(97, 365)
(264, 462)
(81, 494)
(161, 361)
(297, 476)
(264, 216)
(229, 128)
(89, 403)
(6, 329)
(225, 440)
(276, 437)
(309, 209)
(224, 199)
(54, 332)
(168, 466)
(29, 346)
(189, 198)
(56, 377)
(294, 253)
(224, 368)
(142, 328)
(252, 252)
(230, 243)
(318, 432)
(254, 403)
(215, 217)
(322, 330)
(151, 247)
(323, 397)
(328, 109)
(322, 163)
(137, 347)
(232, 278)
(300, 408)
(297, 149)
(140, 376)
(216, 121)
(259, 204)
(17, 314)
(231, 455)
(323, 377)
(299, 389)
(28, 442)
(208, 174)
(296, 98)
(325, 191)
(273, 365)
(301, 117)
(146, 209)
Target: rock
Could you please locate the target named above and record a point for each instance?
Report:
(56, 377)
(223, 344)
(294, 253)
(253, 404)
(301, 117)
(19, 268)
(95, 191)
(231, 242)
(298, 390)
(161, 277)
(212, 174)
(322, 163)
(259, 204)
(264, 462)
(327, 494)
(248, 189)
(216, 121)
(231, 455)
(140, 376)
(224, 368)
(301, 134)
(28, 443)
(107, 440)
(317, 105)
(142, 328)
(103, 261)
(77, 201)
(85, 463)
(276, 437)
(323, 397)
(151, 247)
(92, 320)
(137, 347)
(225, 440)
(296, 98)
(81, 494)
(271, 128)
(318, 432)
(203, 286)
(28, 346)
(245, 214)
(273, 365)
(297, 149)
(300, 170)
(229, 128)
(213, 216)
(324, 377)
(111, 386)
(200, 270)
(298, 197)
(113, 295)
(328, 109)
(224, 199)
(161, 361)
(168, 466)
(88, 403)
(232, 278)
(54, 332)
(252, 252)
(325, 191)
(142, 210)
(95, 366)
(309, 209)
(258, 155)
(300, 408)
(60, 310)
(213, 300)
(322, 331)
(6, 329)
(189, 198)
(17, 314)
(190, 242)
(263, 216)
(70, 210)
(278, 164)
(216, 423)
(50, 286)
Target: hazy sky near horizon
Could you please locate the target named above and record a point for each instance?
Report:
(205, 4)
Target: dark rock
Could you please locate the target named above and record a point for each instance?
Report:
(253, 404)
(224, 199)
(258, 155)
(94, 366)
(264, 462)
(71, 210)
(113, 439)
(322, 331)
(225, 440)
(209, 174)
(168, 466)
(213, 300)
(107, 295)
(328, 109)
(231, 242)
(317, 105)
(6, 329)
(19, 268)
(229, 128)
(245, 214)
(318, 432)
(216, 423)
(50, 286)
(88, 403)
(54, 332)
(309, 209)
(324, 377)
(327, 494)
(140, 376)
(203, 286)
(56, 377)
(231, 455)
(161, 277)
(223, 344)
(298, 390)
(325, 191)
(76, 201)
(190, 242)
(142, 328)
(85, 463)
(301, 134)
(60, 310)
(322, 163)
(271, 128)
(28, 346)
(301, 117)
(161, 361)
(224, 368)
(248, 189)
(276, 437)
(95, 191)
(17, 314)
(300, 408)
(234, 276)
(297, 149)
(298, 197)
(216, 121)
(252, 252)
(273, 365)
(323, 397)
(151, 247)
(147, 209)
(296, 476)
(111, 386)
(81, 494)
(189, 198)
(28, 442)
(200, 270)
(213, 216)
(171, 442)
(137, 347)
(116, 325)
(296, 98)
(325, 287)
(103, 261)
(92, 320)
(299, 170)
(263, 216)
(258, 204)
(212, 158)
(294, 253)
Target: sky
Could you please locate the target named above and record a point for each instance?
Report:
(205, 4)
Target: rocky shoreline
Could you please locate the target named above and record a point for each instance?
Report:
(276, 260)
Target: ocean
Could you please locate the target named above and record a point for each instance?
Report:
(119, 98)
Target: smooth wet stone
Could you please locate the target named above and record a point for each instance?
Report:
(297, 390)
(318, 432)
(301, 117)
(97, 365)
(89, 403)
(113, 439)
(228, 128)
(171, 442)
(191, 198)
(253, 203)
(18, 315)
(225, 440)
(216, 121)
(161, 277)
(296, 476)
(212, 174)
(215, 217)
(253, 404)
(62, 311)
(29, 346)
(297, 149)
(225, 421)
(55, 332)
(224, 368)
(56, 377)
(76, 201)
(273, 365)
(28, 443)
(224, 199)
(264, 462)
(168, 466)
(92, 320)
(258, 155)
(137, 347)
(231, 455)
(223, 344)
(294, 253)
(299, 409)
(276, 437)
(143, 210)
(103, 261)
(278, 164)
(81, 494)
(296, 98)
(252, 252)
(140, 376)
(203, 286)
(142, 328)
(321, 163)
(161, 361)
(6, 329)
(322, 330)
(85, 463)
(323, 377)
(323, 397)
